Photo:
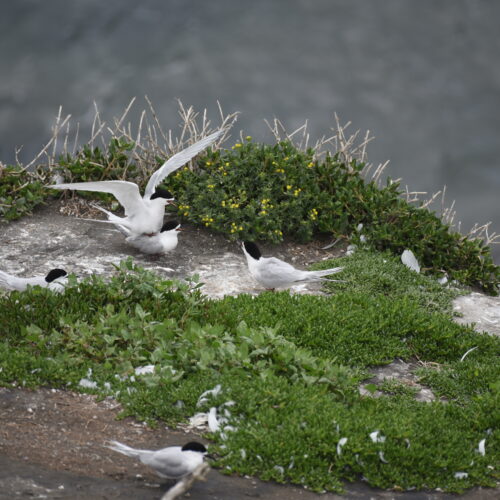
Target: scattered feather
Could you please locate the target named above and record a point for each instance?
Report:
(461, 475)
(376, 437)
(410, 261)
(142, 370)
(407, 441)
(382, 458)
(279, 469)
(359, 227)
(350, 249)
(482, 447)
(362, 238)
(88, 384)
(340, 444)
(198, 420)
(330, 245)
(470, 350)
(243, 454)
(213, 423)
(443, 280)
(211, 392)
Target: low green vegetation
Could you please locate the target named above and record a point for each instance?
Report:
(288, 366)
(20, 191)
(268, 192)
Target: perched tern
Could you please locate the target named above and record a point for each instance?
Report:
(173, 462)
(274, 273)
(55, 281)
(143, 215)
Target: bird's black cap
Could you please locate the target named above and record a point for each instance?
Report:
(169, 226)
(252, 249)
(194, 446)
(54, 274)
(162, 193)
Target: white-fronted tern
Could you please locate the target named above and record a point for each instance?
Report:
(162, 242)
(55, 281)
(143, 215)
(173, 462)
(275, 273)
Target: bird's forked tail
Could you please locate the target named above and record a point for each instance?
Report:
(124, 449)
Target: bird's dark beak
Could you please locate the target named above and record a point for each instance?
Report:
(179, 229)
(210, 456)
(172, 202)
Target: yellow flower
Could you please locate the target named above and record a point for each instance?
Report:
(280, 170)
(241, 228)
(288, 186)
(248, 137)
(225, 173)
(310, 164)
(210, 186)
(262, 212)
(237, 145)
(297, 191)
(227, 164)
(223, 203)
(208, 163)
(186, 214)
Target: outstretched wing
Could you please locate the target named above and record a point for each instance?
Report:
(178, 160)
(127, 193)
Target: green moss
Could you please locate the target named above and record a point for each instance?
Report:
(291, 365)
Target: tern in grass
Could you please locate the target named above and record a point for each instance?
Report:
(275, 273)
(143, 215)
(173, 462)
(55, 281)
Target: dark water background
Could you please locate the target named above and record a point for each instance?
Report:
(422, 75)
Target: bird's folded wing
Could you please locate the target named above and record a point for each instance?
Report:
(178, 160)
(127, 193)
(279, 269)
(167, 462)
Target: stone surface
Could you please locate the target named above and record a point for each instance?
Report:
(480, 309)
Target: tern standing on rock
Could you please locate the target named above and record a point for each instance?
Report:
(275, 273)
(173, 462)
(143, 215)
(55, 281)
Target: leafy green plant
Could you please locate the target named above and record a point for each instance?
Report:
(20, 191)
(265, 192)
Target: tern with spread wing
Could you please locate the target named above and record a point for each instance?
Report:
(55, 281)
(173, 462)
(275, 273)
(143, 215)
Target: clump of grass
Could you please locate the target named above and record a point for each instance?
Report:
(291, 366)
(381, 273)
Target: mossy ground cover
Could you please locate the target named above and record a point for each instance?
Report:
(290, 366)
